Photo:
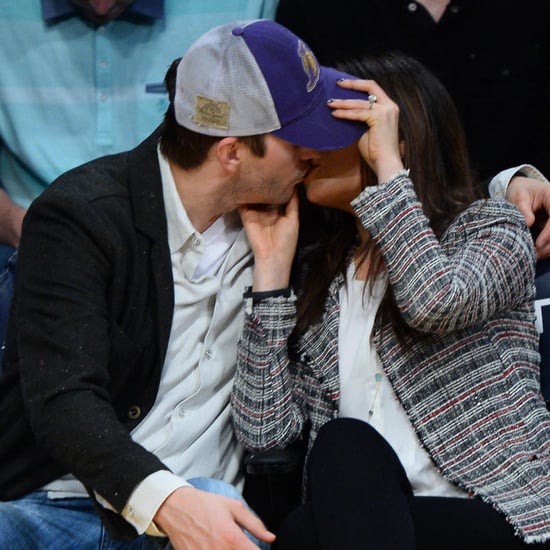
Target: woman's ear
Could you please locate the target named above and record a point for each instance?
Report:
(228, 152)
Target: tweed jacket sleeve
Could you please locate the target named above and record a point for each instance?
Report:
(269, 397)
(485, 264)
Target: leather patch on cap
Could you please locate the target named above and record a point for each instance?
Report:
(211, 113)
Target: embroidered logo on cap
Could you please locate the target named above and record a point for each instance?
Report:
(310, 65)
(211, 113)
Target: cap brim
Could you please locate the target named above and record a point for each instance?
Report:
(317, 128)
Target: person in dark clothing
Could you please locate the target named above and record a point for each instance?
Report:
(490, 54)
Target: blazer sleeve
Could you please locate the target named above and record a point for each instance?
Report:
(484, 263)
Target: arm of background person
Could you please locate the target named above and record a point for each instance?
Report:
(11, 219)
(268, 9)
(527, 188)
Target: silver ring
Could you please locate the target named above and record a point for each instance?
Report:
(372, 99)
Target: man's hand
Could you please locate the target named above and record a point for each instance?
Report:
(532, 197)
(197, 520)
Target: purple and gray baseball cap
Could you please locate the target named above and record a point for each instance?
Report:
(257, 77)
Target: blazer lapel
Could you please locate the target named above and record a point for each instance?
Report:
(145, 188)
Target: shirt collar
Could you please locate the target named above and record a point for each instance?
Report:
(56, 9)
(180, 228)
(216, 240)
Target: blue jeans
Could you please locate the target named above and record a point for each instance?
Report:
(37, 522)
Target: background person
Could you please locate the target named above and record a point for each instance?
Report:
(491, 55)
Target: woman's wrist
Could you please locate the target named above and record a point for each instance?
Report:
(270, 279)
(386, 171)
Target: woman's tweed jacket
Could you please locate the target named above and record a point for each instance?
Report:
(469, 383)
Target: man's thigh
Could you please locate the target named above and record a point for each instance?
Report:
(37, 522)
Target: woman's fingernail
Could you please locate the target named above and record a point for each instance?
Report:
(341, 79)
(330, 100)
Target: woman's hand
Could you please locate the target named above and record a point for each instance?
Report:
(273, 234)
(379, 146)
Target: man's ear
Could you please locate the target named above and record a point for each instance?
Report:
(228, 151)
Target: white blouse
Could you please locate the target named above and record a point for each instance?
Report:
(366, 393)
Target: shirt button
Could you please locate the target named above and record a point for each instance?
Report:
(208, 354)
(196, 241)
(103, 98)
(134, 412)
(455, 9)
(181, 411)
(412, 7)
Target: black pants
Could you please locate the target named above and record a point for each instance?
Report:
(359, 497)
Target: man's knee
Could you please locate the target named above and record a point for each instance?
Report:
(17, 526)
(36, 521)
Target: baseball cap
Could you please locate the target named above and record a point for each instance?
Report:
(256, 77)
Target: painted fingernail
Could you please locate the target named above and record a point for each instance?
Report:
(330, 100)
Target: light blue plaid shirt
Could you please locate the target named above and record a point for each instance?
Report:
(71, 91)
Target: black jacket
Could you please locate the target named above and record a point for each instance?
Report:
(88, 333)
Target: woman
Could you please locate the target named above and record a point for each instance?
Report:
(410, 354)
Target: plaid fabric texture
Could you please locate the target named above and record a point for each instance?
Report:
(469, 380)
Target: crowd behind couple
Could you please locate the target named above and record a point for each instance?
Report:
(297, 251)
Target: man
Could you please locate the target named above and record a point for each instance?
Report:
(81, 79)
(122, 341)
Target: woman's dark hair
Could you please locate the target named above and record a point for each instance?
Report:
(435, 152)
(184, 147)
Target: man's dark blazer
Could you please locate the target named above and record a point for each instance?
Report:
(89, 329)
